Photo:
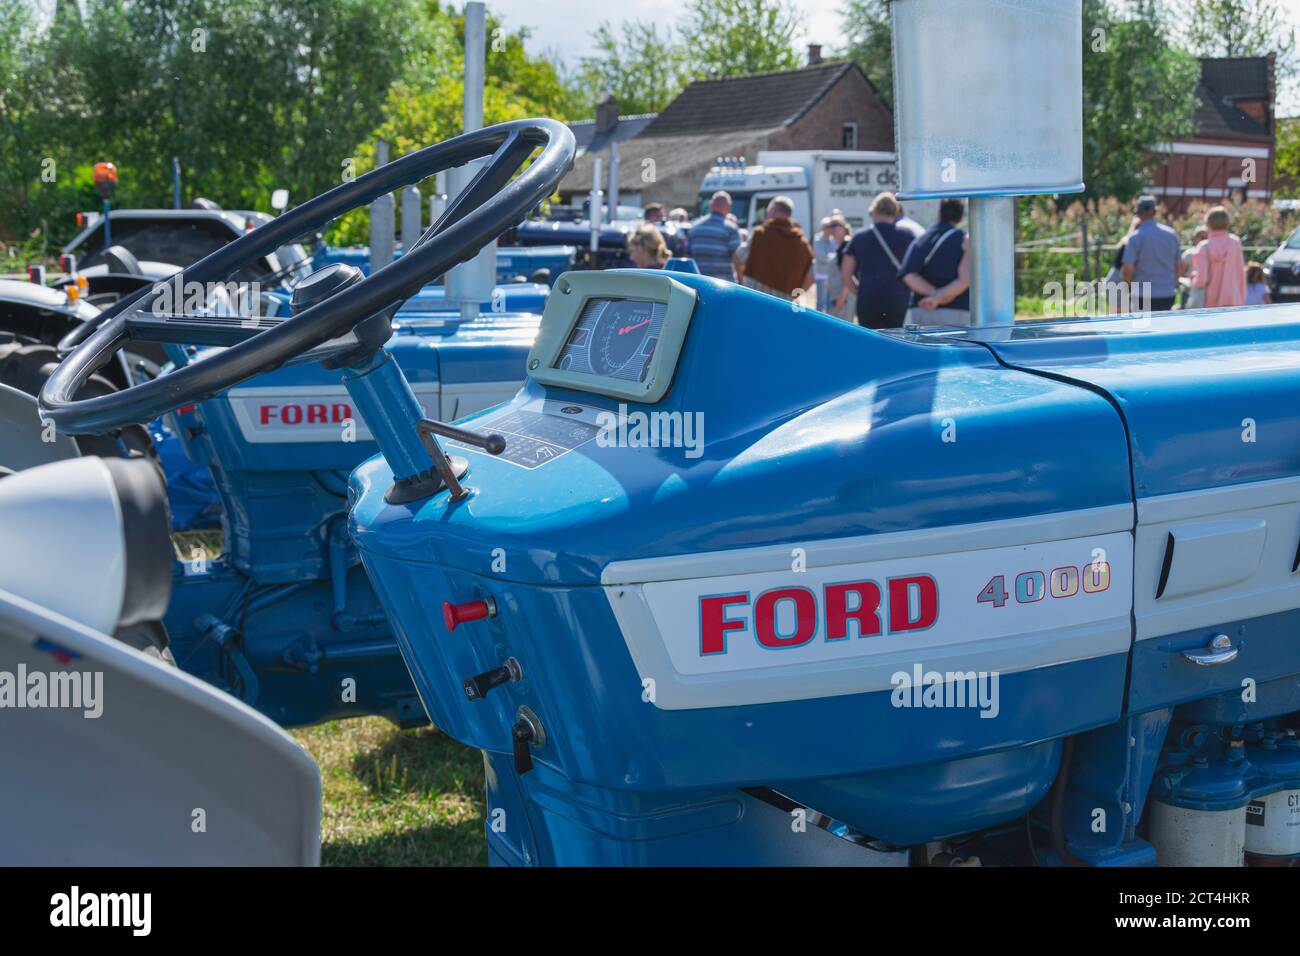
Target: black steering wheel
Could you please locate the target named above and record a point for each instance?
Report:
(490, 204)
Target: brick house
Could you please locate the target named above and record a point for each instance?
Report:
(825, 105)
(1230, 152)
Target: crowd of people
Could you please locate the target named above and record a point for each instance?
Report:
(1151, 267)
(894, 272)
(876, 276)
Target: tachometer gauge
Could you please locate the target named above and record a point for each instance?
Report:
(614, 338)
(621, 337)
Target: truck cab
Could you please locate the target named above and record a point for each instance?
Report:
(819, 181)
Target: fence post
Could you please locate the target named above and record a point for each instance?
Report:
(1087, 260)
(382, 214)
(438, 201)
(411, 212)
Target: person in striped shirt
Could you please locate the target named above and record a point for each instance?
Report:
(714, 241)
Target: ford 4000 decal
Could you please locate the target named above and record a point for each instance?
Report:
(847, 627)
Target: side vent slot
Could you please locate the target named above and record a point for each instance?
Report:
(1169, 562)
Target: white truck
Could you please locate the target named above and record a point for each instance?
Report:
(818, 180)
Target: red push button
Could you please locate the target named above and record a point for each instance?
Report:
(453, 614)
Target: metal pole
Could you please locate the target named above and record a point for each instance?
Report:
(471, 282)
(475, 65)
(412, 209)
(993, 260)
(108, 230)
(438, 201)
(1087, 258)
(176, 183)
(382, 215)
(612, 192)
(595, 215)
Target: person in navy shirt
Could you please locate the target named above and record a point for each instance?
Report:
(933, 267)
(870, 266)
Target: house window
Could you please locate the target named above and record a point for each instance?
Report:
(849, 136)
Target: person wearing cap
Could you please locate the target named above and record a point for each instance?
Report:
(1153, 261)
(826, 249)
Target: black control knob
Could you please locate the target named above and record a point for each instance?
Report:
(526, 734)
(523, 736)
(477, 687)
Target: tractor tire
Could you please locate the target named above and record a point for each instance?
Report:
(28, 366)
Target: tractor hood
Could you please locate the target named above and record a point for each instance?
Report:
(1208, 398)
(696, 477)
(777, 426)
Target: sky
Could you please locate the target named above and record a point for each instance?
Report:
(563, 26)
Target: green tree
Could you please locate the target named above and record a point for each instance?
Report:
(247, 94)
(640, 65)
(39, 111)
(739, 37)
(1287, 158)
(1241, 28)
(16, 112)
(424, 106)
(869, 43)
(1138, 91)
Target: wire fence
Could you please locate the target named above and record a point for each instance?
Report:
(1039, 265)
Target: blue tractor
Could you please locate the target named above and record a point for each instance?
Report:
(705, 591)
(285, 618)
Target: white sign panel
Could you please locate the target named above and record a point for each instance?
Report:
(848, 628)
(308, 413)
(988, 97)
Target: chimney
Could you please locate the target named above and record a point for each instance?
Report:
(814, 54)
(606, 113)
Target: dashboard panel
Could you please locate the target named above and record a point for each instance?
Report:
(615, 333)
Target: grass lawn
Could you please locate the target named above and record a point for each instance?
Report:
(389, 797)
(396, 797)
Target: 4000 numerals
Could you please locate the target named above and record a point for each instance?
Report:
(1030, 587)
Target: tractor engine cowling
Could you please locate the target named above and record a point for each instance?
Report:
(761, 586)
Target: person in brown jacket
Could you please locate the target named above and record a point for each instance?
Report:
(780, 260)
